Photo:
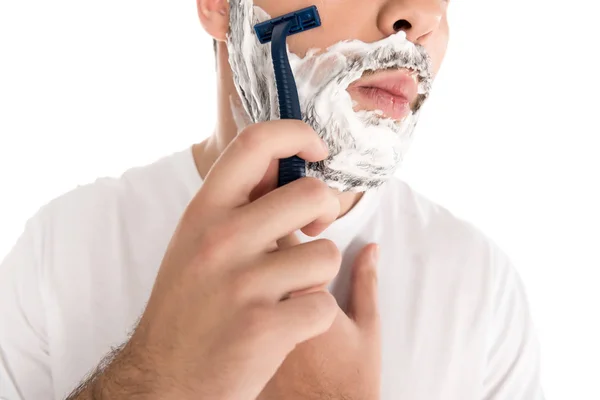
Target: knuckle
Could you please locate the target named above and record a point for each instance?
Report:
(251, 138)
(323, 308)
(327, 303)
(315, 190)
(329, 251)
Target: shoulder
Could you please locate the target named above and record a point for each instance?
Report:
(141, 200)
(169, 180)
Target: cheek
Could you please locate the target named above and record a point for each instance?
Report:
(276, 7)
(438, 45)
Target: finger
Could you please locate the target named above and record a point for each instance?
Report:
(285, 210)
(318, 288)
(268, 182)
(296, 268)
(244, 163)
(288, 241)
(305, 317)
(316, 228)
(363, 305)
(285, 242)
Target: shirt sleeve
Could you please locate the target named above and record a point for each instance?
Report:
(513, 357)
(24, 357)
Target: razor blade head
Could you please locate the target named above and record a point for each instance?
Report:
(302, 20)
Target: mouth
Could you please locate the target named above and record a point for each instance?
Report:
(390, 92)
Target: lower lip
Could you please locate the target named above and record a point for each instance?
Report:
(372, 98)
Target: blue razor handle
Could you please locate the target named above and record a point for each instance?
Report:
(276, 31)
(302, 20)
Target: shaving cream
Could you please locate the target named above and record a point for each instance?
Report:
(365, 147)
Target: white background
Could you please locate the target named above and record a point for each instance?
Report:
(509, 140)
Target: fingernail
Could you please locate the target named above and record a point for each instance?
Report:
(375, 254)
(325, 146)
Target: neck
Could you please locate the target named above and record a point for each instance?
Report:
(207, 152)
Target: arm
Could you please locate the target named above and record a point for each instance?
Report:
(222, 265)
(513, 370)
(24, 354)
(120, 375)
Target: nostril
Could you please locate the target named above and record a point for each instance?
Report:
(402, 25)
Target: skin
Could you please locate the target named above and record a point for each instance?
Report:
(267, 328)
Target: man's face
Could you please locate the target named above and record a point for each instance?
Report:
(363, 86)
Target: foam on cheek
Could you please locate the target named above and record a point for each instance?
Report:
(314, 75)
(251, 62)
(365, 148)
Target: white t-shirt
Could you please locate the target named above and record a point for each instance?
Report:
(454, 314)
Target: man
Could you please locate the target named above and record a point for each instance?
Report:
(231, 295)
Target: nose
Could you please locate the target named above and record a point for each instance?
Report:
(418, 18)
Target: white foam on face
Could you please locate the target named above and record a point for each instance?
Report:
(365, 148)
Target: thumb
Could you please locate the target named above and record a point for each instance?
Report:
(363, 302)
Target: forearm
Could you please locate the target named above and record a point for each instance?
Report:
(83, 392)
(119, 375)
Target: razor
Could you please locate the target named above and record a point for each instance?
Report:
(276, 31)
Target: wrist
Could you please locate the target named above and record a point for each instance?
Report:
(125, 374)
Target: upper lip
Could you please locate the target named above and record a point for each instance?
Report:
(399, 83)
